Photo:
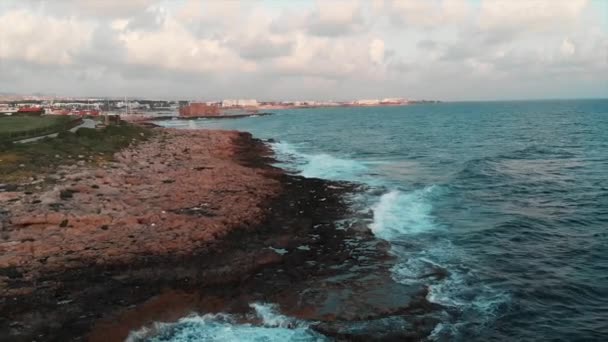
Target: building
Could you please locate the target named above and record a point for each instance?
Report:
(394, 100)
(371, 102)
(30, 111)
(240, 103)
(199, 109)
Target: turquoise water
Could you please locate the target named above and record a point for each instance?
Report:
(509, 198)
(224, 327)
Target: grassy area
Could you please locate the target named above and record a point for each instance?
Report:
(19, 162)
(20, 127)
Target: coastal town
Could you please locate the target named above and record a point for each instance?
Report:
(51, 105)
(310, 170)
(102, 220)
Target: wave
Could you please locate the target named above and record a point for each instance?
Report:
(469, 305)
(425, 254)
(224, 327)
(398, 213)
(321, 165)
(530, 164)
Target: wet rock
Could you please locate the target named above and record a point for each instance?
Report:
(9, 196)
(8, 187)
(10, 272)
(395, 328)
(66, 194)
(212, 228)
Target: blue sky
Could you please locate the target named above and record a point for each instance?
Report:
(331, 49)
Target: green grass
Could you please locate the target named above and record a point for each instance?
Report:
(19, 162)
(13, 124)
(21, 127)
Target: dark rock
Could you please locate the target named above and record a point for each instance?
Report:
(11, 272)
(9, 187)
(66, 194)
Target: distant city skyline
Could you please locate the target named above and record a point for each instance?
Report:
(336, 50)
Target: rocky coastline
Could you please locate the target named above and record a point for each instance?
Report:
(192, 221)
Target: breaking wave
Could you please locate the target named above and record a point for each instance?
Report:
(321, 165)
(398, 213)
(425, 253)
(272, 326)
(510, 240)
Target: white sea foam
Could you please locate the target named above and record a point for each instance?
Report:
(272, 318)
(477, 306)
(223, 327)
(400, 213)
(330, 167)
(320, 165)
(284, 149)
(405, 218)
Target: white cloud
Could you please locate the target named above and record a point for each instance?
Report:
(428, 14)
(376, 51)
(174, 47)
(335, 18)
(529, 15)
(40, 39)
(567, 48)
(112, 8)
(350, 47)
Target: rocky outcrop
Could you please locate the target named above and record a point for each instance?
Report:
(195, 221)
(173, 195)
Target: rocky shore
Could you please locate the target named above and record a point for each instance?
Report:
(169, 196)
(193, 221)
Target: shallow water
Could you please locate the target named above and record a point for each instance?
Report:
(272, 326)
(509, 198)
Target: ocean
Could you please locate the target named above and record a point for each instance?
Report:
(509, 199)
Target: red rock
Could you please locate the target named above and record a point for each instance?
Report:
(9, 196)
(136, 211)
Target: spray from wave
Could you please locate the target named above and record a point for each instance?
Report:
(269, 326)
(427, 256)
(398, 213)
(422, 245)
(321, 165)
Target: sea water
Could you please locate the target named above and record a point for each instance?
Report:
(509, 199)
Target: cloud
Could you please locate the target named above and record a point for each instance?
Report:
(376, 51)
(262, 47)
(426, 44)
(107, 8)
(567, 48)
(174, 47)
(427, 14)
(327, 49)
(335, 18)
(40, 39)
(150, 19)
(536, 15)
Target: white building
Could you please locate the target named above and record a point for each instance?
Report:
(368, 102)
(240, 103)
(393, 100)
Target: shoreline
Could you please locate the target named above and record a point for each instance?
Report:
(123, 288)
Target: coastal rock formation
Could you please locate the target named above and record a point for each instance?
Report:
(194, 221)
(173, 195)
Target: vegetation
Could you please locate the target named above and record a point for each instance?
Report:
(23, 127)
(20, 162)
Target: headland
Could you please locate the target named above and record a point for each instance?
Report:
(189, 221)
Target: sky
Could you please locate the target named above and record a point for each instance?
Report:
(306, 50)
